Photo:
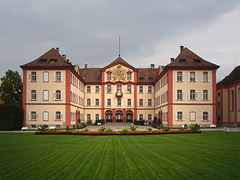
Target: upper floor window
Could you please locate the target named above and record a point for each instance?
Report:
(149, 89)
(109, 76)
(58, 95)
(205, 77)
(129, 102)
(58, 76)
(179, 77)
(192, 94)
(109, 102)
(149, 102)
(129, 89)
(97, 102)
(34, 76)
(119, 88)
(192, 76)
(97, 89)
(129, 76)
(88, 102)
(88, 89)
(205, 94)
(109, 88)
(179, 95)
(140, 102)
(140, 89)
(119, 102)
(45, 76)
(45, 95)
(34, 95)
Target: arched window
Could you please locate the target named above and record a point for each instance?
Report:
(109, 116)
(232, 95)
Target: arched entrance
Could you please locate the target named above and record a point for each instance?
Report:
(119, 116)
(129, 116)
(108, 116)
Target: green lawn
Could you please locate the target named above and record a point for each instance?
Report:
(209, 155)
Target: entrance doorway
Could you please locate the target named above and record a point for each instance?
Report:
(129, 116)
(108, 116)
(119, 116)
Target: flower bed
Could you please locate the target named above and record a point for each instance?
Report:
(118, 133)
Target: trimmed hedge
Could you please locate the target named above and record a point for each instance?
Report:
(11, 117)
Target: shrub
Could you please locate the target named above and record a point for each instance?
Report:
(41, 128)
(102, 121)
(160, 127)
(133, 128)
(67, 129)
(149, 129)
(109, 130)
(78, 127)
(166, 129)
(86, 130)
(194, 127)
(102, 129)
(136, 122)
(141, 122)
(89, 122)
(125, 130)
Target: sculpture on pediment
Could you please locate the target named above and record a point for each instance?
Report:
(119, 74)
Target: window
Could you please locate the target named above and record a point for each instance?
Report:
(129, 102)
(88, 102)
(179, 76)
(205, 116)
(58, 76)
(192, 94)
(34, 116)
(179, 95)
(58, 116)
(58, 126)
(140, 89)
(179, 116)
(88, 116)
(45, 116)
(205, 76)
(192, 116)
(149, 102)
(205, 94)
(88, 89)
(140, 102)
(192, 76)
(58, 95)
(109, 103)
(96, 102)
(34, 95)
(149, 89)
(97, 89)
(96, 116)
(52, 61)
(33, 126)
(219, 104)
(119, 102)
(149, 117)
(129, 89)
(45, 95)
(129, 76)
(108, 76)
(45, 76)
(232, 94)
(140, 117)
(218, 94)
(109, 89)
(119, 88)
(34, 76)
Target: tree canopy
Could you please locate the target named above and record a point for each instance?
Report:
(11, 88)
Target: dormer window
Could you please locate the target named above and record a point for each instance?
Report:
(109, 76)
(42, 61)
(183, 60)
(150, 78)
(53, 61)
(141, 78)
(197, 60)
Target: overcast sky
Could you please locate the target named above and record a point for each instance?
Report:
(151, 31)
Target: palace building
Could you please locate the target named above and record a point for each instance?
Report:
(228, 99)
(57, 93)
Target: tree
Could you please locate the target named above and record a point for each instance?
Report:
(11, 88)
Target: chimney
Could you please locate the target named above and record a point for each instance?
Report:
(57, 48)
(152, 66)
(68, 60)
(64, 57)
(172, 59)
(85, 65)
(181, 48)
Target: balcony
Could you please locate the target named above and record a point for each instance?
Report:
(119, 94)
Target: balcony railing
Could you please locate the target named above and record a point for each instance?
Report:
(119, 94)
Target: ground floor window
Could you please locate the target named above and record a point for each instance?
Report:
(192, 116)
(58, 115)
(149, 117)
(88, 116)
(33, 126)
(140, 117)
(97, 116)
(205, 116)
(45, 116)
(57, 126)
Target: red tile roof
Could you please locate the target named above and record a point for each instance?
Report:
(187, 58)
(119, 60)
(51, 58)
(233, 76)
